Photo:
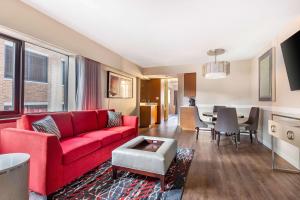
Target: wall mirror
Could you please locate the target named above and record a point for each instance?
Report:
(266, 76)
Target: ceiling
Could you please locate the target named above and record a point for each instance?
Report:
(174, 32)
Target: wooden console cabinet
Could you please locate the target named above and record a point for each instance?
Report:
(187, 118)
(148, 115)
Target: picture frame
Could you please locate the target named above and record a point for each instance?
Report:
(119, 86)
(266, 89)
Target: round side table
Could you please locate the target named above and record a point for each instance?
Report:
(14, 176)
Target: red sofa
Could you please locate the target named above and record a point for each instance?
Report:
(85, 143)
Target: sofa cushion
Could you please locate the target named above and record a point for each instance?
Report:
(103, 117)
(124, 130)
(76, 147)
(105, 137)
(46, 125)
(63, 122)
(114, 119)
(84, 121)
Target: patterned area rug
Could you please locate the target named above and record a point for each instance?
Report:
(99, 185)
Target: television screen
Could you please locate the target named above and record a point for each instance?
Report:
(291, 55)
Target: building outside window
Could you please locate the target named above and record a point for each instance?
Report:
(45, 78)
(8, 51)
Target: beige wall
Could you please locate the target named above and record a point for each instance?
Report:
(286, 102)
(126, 106)
(284, 96)
(233, 90)
(35, 26)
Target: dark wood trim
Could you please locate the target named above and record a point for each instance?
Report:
(144, 173)
(18, 78)
(8, 120)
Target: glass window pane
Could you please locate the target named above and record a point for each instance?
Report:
(7, 74)
(44, 88)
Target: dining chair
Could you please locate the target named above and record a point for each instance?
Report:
(198, 122)
(216, 108)
(227, 123)
(251, 124)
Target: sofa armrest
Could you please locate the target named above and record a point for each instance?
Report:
(132, 121)
(45, 156)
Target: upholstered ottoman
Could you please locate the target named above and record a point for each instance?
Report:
(149, 156)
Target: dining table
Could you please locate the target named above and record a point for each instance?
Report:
(211, 117)
(215, 114)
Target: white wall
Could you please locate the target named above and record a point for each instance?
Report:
(24, 22)
(286, 102)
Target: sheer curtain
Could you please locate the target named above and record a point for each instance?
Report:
(88, 84)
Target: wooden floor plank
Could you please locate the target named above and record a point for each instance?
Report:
(225, 173)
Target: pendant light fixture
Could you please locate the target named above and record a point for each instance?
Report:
(216, 69)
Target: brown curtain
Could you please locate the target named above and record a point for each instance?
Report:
(88, 84)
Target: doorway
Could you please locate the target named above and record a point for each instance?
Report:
(169, 101)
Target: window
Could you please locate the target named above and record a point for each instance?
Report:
(63, 75)
(35, 108)
(45, 66)
(30, 108)
(9, 60)
(10, 49)
(36, 67)
(44, 84)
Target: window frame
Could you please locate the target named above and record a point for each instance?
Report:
(17, 81)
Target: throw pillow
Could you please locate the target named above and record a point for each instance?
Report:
(114, 119)
(46, 125)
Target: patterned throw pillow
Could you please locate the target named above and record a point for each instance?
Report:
(114, 119)
(46, 125)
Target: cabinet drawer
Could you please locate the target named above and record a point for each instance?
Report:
(285, 132)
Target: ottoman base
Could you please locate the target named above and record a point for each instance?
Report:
(144, 173)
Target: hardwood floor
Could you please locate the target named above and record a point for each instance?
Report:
(225, 173)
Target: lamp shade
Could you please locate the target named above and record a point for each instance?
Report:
(216, 70)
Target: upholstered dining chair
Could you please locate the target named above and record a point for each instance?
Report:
(251, 124)
(227, 123)
(199, 122)
(216, 108)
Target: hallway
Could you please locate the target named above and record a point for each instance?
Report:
(226, 173)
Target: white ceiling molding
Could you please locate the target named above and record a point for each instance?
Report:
(174, 32)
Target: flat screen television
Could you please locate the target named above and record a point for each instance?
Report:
(291, 55)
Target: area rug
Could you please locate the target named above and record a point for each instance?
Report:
(99, 185)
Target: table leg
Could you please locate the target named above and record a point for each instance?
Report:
(162, 183)
(114, 172)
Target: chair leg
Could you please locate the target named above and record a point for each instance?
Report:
(250, 136)
(218, 139)
(215, 135)
(162, 183)
(197, 133)
(236, 141)
(212, 134)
